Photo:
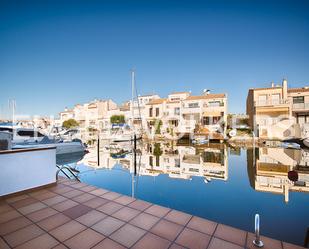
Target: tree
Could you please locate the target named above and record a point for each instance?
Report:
(158, 123)
(70, 123)
(157, 150)
(117, 119)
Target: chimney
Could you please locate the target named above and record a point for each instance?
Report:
(284, 89)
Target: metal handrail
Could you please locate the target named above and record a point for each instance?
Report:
(62, 168)
(257, 240)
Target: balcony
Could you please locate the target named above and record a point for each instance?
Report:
(189, 110)
(214, 109)
(300, 106)
(271, 102)
(187, 126)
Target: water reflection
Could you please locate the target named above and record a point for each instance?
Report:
(205, 180)
(268, 168)
(153, 159)
(271, 168)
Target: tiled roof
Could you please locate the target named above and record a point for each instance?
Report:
(208, 96)
(265, 88)
(295, 90)
(173, 101)
(156, 101)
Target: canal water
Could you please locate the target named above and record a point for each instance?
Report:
(216, 182)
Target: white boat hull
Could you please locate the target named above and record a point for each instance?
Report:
(61, 148)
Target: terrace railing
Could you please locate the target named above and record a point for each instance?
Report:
(271, 102)
(301, 106)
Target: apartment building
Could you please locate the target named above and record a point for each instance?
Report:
(183, 113)
(123, 110)
(138, 109)
(89, 115)
(204, 114)
(277, 112)
(299, 99)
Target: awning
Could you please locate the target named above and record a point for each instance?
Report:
(276, 111)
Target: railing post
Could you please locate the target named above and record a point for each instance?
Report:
(257, 241)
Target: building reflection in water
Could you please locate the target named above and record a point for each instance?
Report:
(182, 162)
(268, 168)
(269, 171)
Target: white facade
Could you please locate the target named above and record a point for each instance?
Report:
(23, 169)
(138, 110)
(90, 116)
(183, 113)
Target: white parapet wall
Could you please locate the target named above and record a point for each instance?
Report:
(26, 169)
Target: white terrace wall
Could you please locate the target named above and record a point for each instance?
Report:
(26, 169)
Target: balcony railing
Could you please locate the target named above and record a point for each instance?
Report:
(301, 106)
(196, 109)
(271, 102)
(186, 126)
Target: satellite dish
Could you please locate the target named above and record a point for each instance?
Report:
(206, 91)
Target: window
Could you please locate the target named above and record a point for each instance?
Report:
(216, 119)
(174, 122)
(275, 98)
(193, 105)
(214, 103)
(151, 161)
(25, 133)
(6, 129)
(210, 120)
(205, 120)
(211, 157)
(262, 99)
(150, 112)
(177, 111)
(177, 163)
(298, 100)
(157, 111)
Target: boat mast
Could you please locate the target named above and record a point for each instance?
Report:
(12, 104)
(132, 101)
(132, 110)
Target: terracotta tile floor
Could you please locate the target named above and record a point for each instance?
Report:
(79, 216)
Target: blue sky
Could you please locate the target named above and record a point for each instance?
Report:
(58, 53)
